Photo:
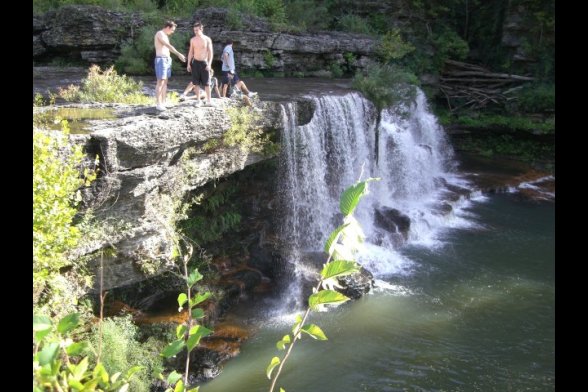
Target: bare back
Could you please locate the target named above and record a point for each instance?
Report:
(160, 48)
(200, 47)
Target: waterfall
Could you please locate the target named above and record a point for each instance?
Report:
(323, 157)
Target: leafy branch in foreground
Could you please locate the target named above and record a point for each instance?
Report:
(56, 366)
(189, 333)
(340, 246)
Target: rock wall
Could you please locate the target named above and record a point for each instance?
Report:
(149, 164)
(94, 35)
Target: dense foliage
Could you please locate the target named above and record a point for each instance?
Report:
(56, 180)
(386, 85)
(59, 364)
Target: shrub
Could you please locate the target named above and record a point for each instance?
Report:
(57, 365)
(121, 351)
(449, 45)
(268, 58)
(354, 24)
(106, 86)
(393, 47)
(537, 98)
(273, 10)
(386, 85)
(245, 130)
(56, 179)
(336, 71)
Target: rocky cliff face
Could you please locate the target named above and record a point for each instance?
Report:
(149, 164)
(94, 35)
(82, 32)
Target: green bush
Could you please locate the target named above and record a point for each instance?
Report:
(40, 6)
(537, 98)
(106, 86)
(385, 85)
(354, 24)
(336, 71)
(308, 15)
(56, 180)
(393, 47)
(449, 45)
(245, 131)
(121, 351)
(268, 58)
(57, 362)
(135, 55)
(273, 10)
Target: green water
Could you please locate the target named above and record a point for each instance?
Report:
(476, 315)
(77, 118)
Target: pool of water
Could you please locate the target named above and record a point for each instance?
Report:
(476, 314)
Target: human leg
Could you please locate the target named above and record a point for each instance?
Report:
(189, 88)
(207, 90)
(158, 90)
(163, 73)
(243, 87)
(164, 92)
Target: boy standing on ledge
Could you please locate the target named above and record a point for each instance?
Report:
(163, 62)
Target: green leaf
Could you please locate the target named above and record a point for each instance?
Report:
(76, 384)
(353, 235)
(80, 369)
(314, 331)
(330, 244)
(351, 196)
(124, 388)
(132, 371)
(68, 323)
(40, 335)
(194, 277)
(41, 323)
(281, 344)
(48, 353)
(325, 297)
(197, 313)
(90, 385)
(173, 377)
(201, 330)
(338, 268)
(115, 377)
(179, 386)
(100, 373)
(282, 390)
(341, 252)
(275, 362)
(181, 331)
(196, 333)
(296, 324)
(194, 389)
(198, 299)
(182, 298)
(173, 348)
(193, 341)
(76, 348)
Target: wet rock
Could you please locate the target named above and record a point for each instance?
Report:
(354, 286)
(393, 221)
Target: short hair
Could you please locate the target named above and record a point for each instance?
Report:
(170, 23)
(229, 42)
(197, 24)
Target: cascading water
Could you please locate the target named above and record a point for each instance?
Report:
(322, 158)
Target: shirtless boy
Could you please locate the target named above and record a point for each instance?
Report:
(163, 62)
(200, 60)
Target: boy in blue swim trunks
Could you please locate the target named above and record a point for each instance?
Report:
(163, 62)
